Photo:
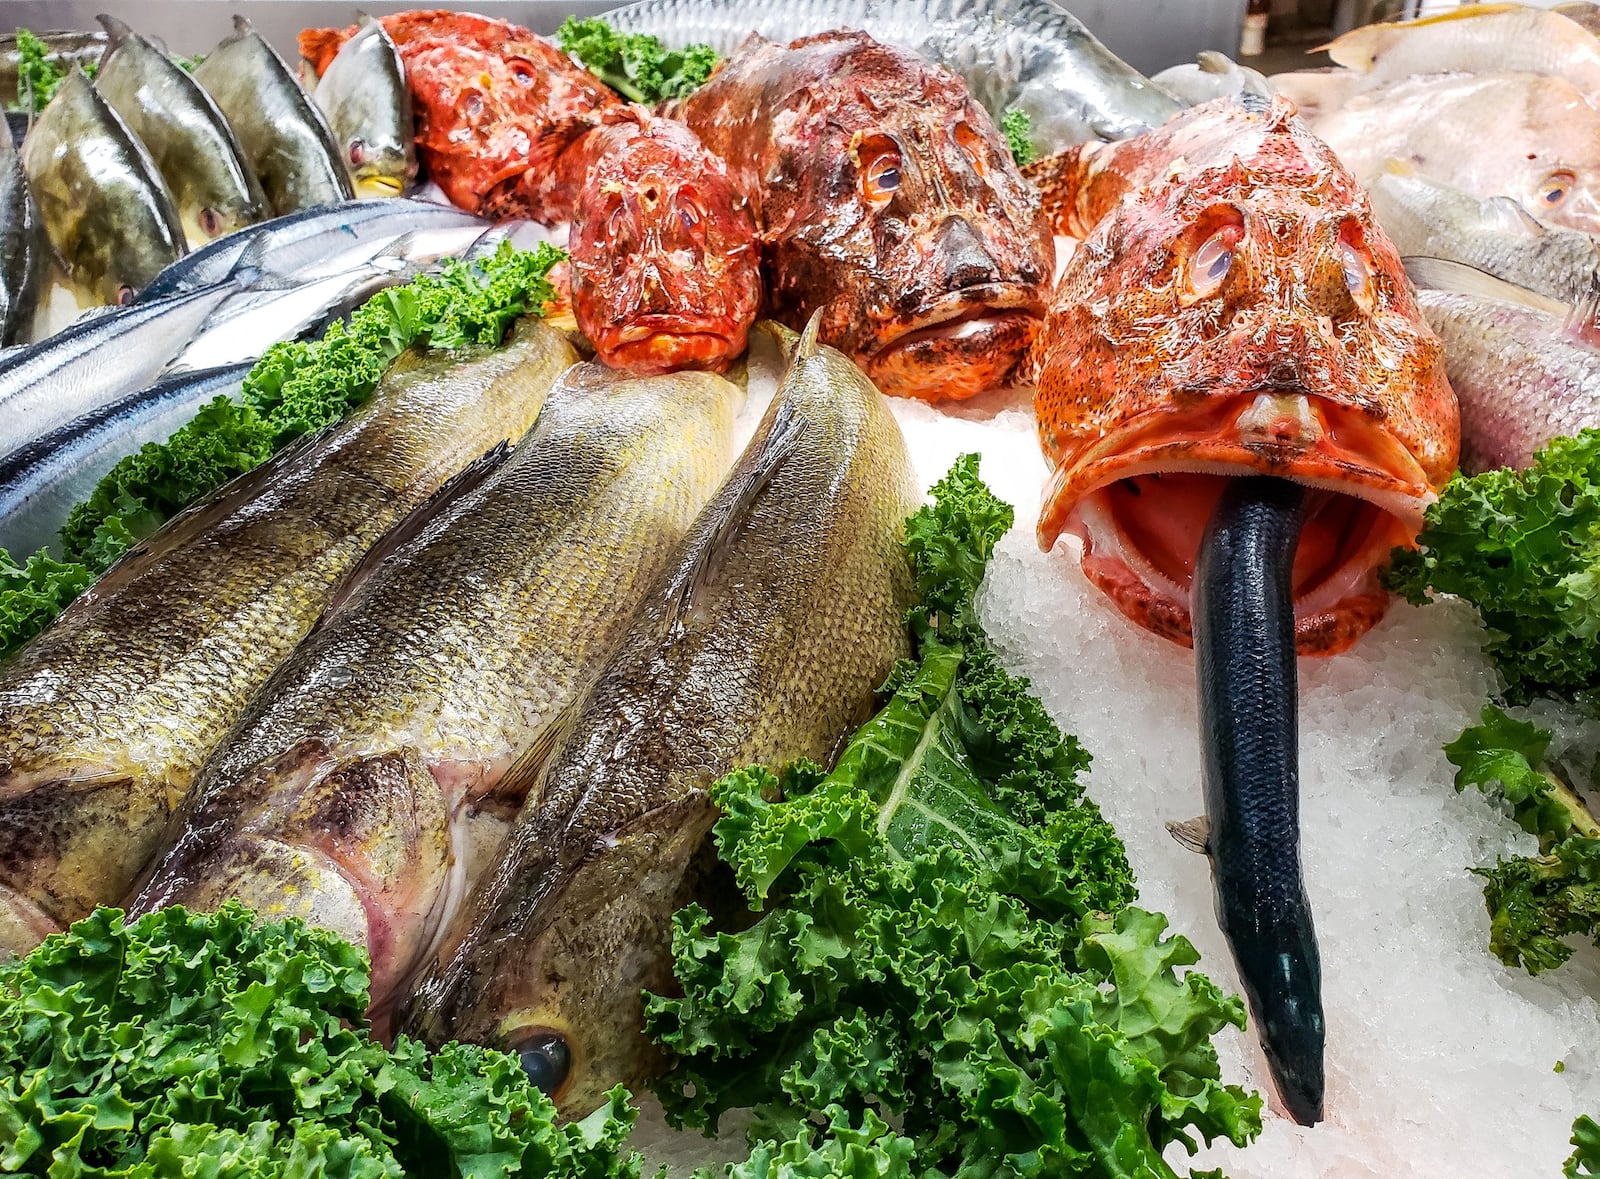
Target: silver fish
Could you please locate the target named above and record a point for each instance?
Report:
(188, 139)
(310, 243)
(1027, 54)
(41, 482)
(1425, 217)
(1211, 75)
(105, 207)
(96, 360)
(286, 140)
(24, 248)
(364, 94)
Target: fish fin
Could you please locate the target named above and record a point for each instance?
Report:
(1509, 216)
(412, 524)
(242, 26)
(1194, 834)
(729, 511)
(1442, 274)
(783, 335)
(1583, 318)
(517, 783)
(807, 346)
(1212, 62)
(1061, 180)
(1353, 50)
(116, 33)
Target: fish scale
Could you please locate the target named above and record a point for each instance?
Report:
(345, 793)
(106, 716)
(776, 620)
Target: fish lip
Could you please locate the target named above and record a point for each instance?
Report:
(997, 301)
(378, 185)
(645, 327)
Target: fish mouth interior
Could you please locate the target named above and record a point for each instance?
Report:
(1141, 513)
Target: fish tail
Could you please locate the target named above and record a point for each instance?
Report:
(1244, 638)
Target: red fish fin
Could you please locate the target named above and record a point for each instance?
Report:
(1063, 181)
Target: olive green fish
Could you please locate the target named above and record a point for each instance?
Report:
(285, 139)
(106, 717)
(777, 618)
(104, 205)
(363, 92)
(184, 132)
(378, 770)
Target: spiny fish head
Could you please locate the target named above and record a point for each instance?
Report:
(901, 213)
(665, 265)
(1242, 316)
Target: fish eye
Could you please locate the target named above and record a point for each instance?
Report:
(1556, 188)
(358, 150)
(547, 1060)
(473, 105)
(210, 222)
(689, 212)
(972, 145)
(125, 295)
(522, 71)
(1209, 263)
(1356, 275)
(878, 157)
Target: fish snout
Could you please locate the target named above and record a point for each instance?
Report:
(960, 254)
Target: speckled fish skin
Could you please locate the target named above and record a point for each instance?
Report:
(1534, 139)
(1474, 39)
(285, 139)
(886, 198)
(1432, 220)
(106, 717)
(366, 786)
(189, 141)
(104, 205)
(1521, 376)
(763, 644)
(363, 93)
(1029, 54)
(666, 269)
(1297, 351)
(24, 248)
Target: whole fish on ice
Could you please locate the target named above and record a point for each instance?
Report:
(363, 92)
(666, 269)
(1245, 412)
(887, 200)
(107, 715)
(377, 771)
(1031, 55)
(776, 619)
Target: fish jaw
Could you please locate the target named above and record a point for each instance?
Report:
(375, 185)
(1140, 498)
(965, 344)
(665, 345)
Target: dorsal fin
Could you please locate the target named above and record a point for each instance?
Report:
(117, 32)
(516, 785)
(411, 525)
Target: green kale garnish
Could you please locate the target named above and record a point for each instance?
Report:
(1018, 130)
(948, 945)
(1585, 1158)
(38, 77)
(295, 389)
(636, 65)
(188, 1044)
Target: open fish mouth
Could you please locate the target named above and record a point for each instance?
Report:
(966, 343)
(663, 343)
(1139, 499)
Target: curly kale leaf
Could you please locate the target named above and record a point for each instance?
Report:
(1017, 127)
(636, 65)
(1585, 1158)
(212, 1045)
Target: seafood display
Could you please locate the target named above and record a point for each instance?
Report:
(465, 578)
(666, 269)
(913, 235)
(762, 642)
(96, 754)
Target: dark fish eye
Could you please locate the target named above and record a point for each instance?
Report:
(688, 212)
(474, 105)
(210, 222)
(358, 151)
(125, 295)
(1556, 187)
(547, 1060)
(878, 157)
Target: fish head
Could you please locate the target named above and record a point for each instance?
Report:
(556, 975)
(364, 94)
(665, 268)
(1242, 316)
(902, 215)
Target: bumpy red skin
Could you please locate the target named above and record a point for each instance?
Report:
(961, 237)
(1290, 367)
(496, 107)
(666, 273)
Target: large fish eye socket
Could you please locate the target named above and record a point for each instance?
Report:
(1556, 188)
(358, 151)
(879, 160)
(1212, 261)
(125, 295)
(210, 222)
(1356, 274)
(689, 212)
(547, 1060)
